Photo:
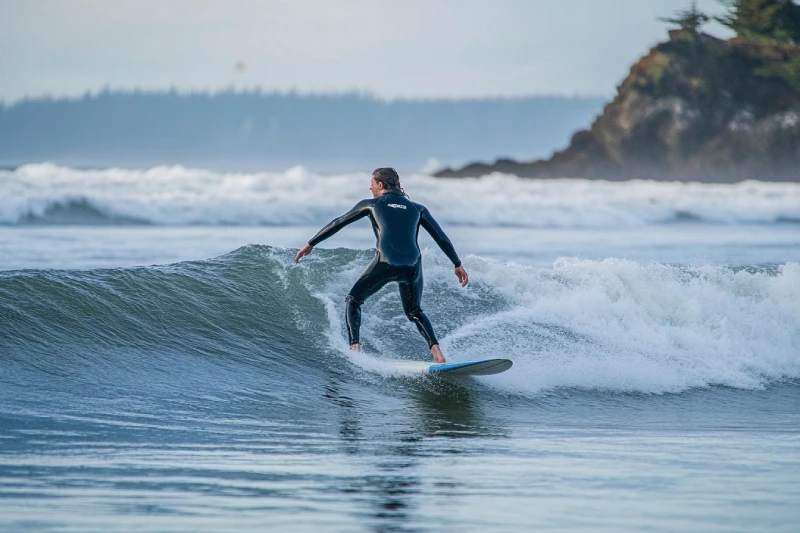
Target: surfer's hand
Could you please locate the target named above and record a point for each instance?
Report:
(462, 276)
(305, 250)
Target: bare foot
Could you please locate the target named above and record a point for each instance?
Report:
(355, 347)
(438, 356)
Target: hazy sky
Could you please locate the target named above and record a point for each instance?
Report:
(408, 48)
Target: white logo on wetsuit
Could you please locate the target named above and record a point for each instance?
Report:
(397, 206)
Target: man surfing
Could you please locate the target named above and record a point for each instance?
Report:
(396, 221)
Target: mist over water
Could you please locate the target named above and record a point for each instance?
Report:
(255, 130)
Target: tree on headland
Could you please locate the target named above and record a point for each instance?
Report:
(768, 31)
(763, 21)
(689, 20)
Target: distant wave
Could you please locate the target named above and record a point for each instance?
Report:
(613, 325)
(50, 194)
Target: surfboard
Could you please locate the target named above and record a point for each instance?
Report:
(485, 367)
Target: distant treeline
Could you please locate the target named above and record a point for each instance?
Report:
(253, 128)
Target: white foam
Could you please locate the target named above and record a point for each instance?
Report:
(625, 326)
(613, 325)
(177, 195)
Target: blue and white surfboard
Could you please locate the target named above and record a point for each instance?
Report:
(484, 367)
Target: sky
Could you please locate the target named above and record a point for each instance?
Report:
(409, 49)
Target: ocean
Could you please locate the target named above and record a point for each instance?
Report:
(166, 366)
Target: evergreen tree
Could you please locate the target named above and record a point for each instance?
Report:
(689, 20)
(763, 20)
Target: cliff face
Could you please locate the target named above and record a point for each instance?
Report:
(693, 109)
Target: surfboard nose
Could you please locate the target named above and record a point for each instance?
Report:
(485, 367)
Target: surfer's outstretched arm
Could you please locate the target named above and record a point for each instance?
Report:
(427, 221)
(360, 210)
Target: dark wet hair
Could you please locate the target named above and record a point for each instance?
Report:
(389, 178)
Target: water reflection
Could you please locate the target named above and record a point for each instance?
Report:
(391, 444)
(349, 423)
(454, 408)
(388, 490)
(390, 496)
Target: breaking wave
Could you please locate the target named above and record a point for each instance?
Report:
(49, 194)
(612, 325)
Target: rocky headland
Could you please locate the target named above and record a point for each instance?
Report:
(695, 108)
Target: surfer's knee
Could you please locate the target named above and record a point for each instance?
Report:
(414, 315)
(352, 300)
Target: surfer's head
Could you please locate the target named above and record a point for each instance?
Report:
(384, 179)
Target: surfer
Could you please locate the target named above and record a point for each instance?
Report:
(395, 221)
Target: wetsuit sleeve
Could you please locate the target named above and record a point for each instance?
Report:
(360, 210)
(432, 227)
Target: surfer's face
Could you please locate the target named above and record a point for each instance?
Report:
(376, 188)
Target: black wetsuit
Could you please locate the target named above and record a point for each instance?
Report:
(395, 221)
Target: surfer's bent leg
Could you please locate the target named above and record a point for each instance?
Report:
(374, 277)
(411, 296)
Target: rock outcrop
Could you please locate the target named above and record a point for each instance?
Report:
(695, 108)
